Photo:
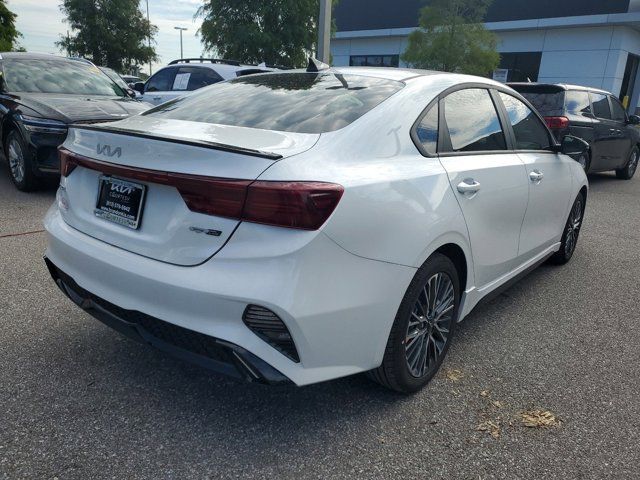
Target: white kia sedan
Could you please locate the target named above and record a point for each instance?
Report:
(300, 226)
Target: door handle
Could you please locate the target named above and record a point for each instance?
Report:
(536, 176)
(468, 185)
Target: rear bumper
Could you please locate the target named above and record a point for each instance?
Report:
(338, 307)
(205, 351)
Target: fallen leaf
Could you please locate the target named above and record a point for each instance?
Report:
(484, 393)
(490, 427)
(497, 404)
(453, 375)
(539, 418)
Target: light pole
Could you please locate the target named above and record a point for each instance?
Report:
(149, 38)
(324, 31)
(182, 29)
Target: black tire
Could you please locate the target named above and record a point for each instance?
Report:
(627, 172)
(19, 160)
(571, 232)
(395, 372)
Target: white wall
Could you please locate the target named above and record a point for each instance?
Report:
(591, 56)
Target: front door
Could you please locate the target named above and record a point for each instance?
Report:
(490, 182)
(548, 177)
(619, 117)
(158, 88)
(608, 140)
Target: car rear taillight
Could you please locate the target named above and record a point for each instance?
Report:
(305, 205)
(557, 123)
(301, 205)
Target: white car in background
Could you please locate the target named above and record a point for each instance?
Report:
(188, 74)
(303, 226)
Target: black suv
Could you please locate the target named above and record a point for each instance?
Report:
(40, 96)
(593, 115)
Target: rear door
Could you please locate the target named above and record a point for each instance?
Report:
(549, 179)
(578, 111)
(608, 142)
(490, 182)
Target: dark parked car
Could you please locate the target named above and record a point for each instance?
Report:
(40, 95)
(593, 115)
(118, 80)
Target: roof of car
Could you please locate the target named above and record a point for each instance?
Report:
(390, 73)
(562, 86)
(29, 55)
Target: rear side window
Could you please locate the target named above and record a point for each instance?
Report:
(162, 81)
(619, 115)
(473, 122)
(529, 131)
(577, 103)
(193, 78)
(600, 104)
(427, 130)
(291, 102)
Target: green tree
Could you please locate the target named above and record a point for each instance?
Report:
(452, 38)
(8, 33)
(112, 33)
(282, 32)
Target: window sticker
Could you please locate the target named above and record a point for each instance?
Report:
(181, 81)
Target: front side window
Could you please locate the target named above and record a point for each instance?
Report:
(600, 104)
(473, 122)
(43, 75)
(619, 115)
(427, 130)
(529, 131)
(291, 102)
(577, 103)
(162, 81)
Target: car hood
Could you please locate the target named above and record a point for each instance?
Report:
(81, 108)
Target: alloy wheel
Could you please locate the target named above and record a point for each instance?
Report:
(16, 160)
(633, 163)
(573, 228)
(429, 327)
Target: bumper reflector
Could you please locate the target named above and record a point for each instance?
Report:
(270, 328)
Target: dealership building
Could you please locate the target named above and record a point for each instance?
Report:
(585, 42)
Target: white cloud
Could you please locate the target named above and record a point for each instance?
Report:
(41, 23)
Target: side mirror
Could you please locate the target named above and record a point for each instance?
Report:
(572, 146)
(634, 120)
(139, 87)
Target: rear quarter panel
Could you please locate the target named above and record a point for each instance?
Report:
(398, 206)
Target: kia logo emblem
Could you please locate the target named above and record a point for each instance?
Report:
(108, 150)
(121, 188)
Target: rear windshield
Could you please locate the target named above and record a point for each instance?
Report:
(291, 102)
(548, 101)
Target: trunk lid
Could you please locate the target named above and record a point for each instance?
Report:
(168, 230)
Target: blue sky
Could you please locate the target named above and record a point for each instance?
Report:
(41, 24)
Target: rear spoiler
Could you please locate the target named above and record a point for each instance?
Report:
(196, 143)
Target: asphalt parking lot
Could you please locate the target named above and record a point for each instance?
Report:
(77, 400)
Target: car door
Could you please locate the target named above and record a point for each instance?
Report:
(489, 181)
(549, 178)
(619, 116)
(158, 88)
(607, 144)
